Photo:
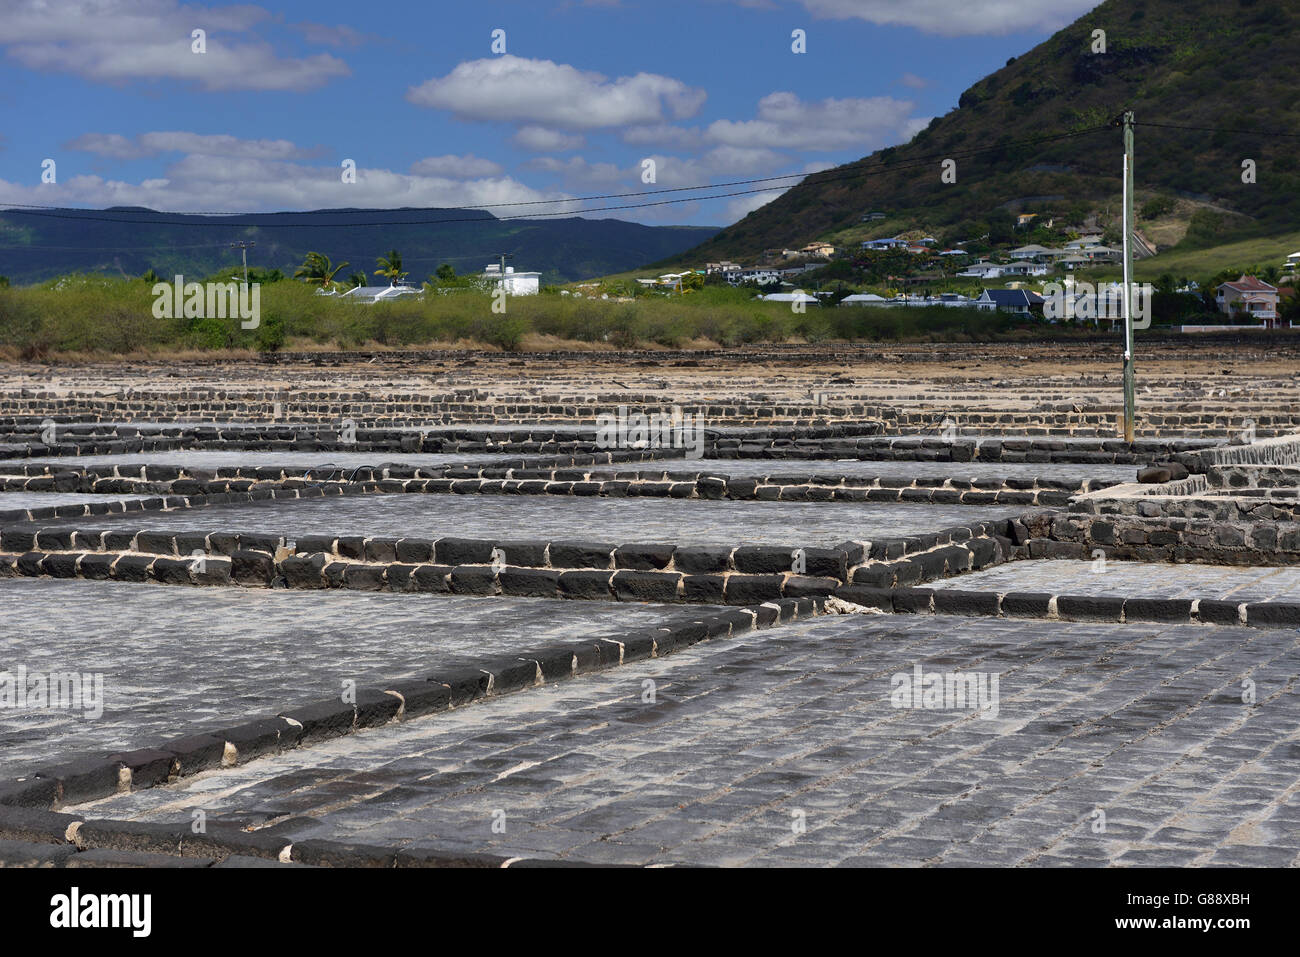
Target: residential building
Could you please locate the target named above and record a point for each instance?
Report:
(1022, 302)
(818, 250)
(1251, 296)
(983, 270)
(374, 294)
(514, 283)
(891, 243)
(865, 299)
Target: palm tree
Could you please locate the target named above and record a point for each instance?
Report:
(316, 270)
(391, 266)
(357, 279)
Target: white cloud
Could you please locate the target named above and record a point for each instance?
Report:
(248, 184)
(914, 81)
(786, 122)
(538, 139)
(120, 40)
(514, 89)
(451, 166)
(116, 146)
(947, 18)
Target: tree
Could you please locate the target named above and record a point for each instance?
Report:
(151, 277)
(1289, 310)
(390, 266)
(357, 279)
(446, 273)
(316, 270)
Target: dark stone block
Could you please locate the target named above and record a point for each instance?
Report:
(646, 586)
(363, 577)
(1089, 608)
(955, 602)
(250, 568)
(413, 551)
(646, 557)
(474, 580)
(912, 601)
(752, 589)
(702, 559)
(1158, 609)
(422, 697)
(764, 559)
(802, 586)
(1018, 604)
(524, 554)
(132, 568)
(1273, 614)
(585, 584)
(581, 555)
(431, 578)
(529, 582)
(463, 551)
(172, 571)
(1219, 612)
(704, 589)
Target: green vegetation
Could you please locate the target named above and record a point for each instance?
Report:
(87, 314)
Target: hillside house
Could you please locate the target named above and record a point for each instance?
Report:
(891, 243)
(1251, 296)
(1022, 302)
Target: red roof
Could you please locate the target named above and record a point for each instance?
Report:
(1250, 284)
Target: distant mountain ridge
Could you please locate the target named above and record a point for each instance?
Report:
(36, 245)
(1221, 64)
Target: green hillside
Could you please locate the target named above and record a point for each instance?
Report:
(36, 245)
(1225, 64)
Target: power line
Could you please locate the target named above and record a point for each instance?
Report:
(1215, 129)
(65, 212)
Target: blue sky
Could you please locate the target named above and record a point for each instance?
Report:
(585, 92)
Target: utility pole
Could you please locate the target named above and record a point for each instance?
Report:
(243, 246)
(1130, 392)
(504, 257)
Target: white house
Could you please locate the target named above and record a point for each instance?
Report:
(865, 299)
(374, 294)
(796, 296)
(515, 283)
(1025, 269)
(983, 270)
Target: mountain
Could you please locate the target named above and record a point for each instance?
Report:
(1221, 64)
(37, 245)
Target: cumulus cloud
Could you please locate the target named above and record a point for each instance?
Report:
(116, 146)
(515, 89)
(784, 121)
(451, 166)
(122, 40)
(946, 18)
(538, 139)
